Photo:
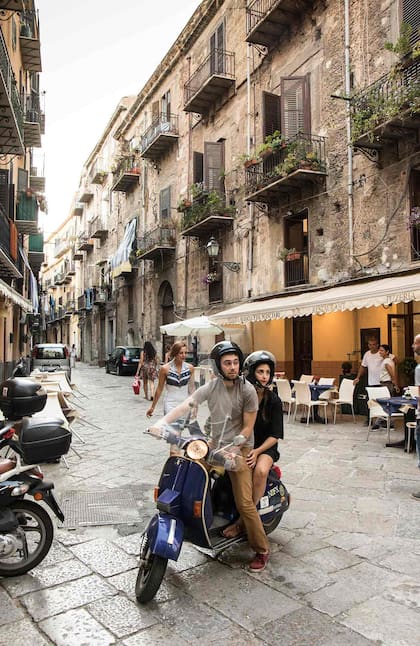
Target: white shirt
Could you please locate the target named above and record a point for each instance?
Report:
(385, 375)
(372, 361)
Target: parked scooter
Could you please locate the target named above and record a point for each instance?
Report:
(195, 502)
(26, 529)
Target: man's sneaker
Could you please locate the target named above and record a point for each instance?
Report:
(259, 562)
(416, 496)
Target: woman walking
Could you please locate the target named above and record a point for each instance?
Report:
(176, 377)
(147, 369)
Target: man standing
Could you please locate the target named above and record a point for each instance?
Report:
(230, 397)
(371, 363)
(416, 348)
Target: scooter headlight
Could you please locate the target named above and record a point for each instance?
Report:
(197, 449)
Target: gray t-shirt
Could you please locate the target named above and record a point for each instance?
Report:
(417, 383)
(227, 406)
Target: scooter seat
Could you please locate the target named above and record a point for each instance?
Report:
(6, 465)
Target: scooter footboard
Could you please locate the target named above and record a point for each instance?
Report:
(165, 534)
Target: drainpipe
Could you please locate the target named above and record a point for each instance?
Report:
(248, 150)
(348, 127)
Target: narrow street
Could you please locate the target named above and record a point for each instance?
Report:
(345, 563)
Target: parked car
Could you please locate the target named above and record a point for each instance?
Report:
(123, 360)
(50, 357)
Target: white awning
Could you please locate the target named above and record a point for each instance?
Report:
(8, 292)
(383, 291)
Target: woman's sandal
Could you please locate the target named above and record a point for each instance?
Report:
(232, 531)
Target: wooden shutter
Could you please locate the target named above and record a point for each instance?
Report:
(295, 105)
(4, 190)
(411, 16)
(213, 166)
(165, 203)
(155, 111)
(217, 48)
(271, 113)
(197, 167)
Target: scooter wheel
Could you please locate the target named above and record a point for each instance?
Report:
(33, 537)
(151, 572)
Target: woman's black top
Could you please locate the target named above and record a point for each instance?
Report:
(269, 422)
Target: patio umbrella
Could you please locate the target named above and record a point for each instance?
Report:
(196, 326)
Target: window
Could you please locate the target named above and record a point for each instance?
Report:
(271, 113)
(216, 287)
(296, 237)
(295, 105)
(130, 303)
(213, 166)
(166, 106)
(165, 204)
(217, 48)
(22, 179)
(411, 16)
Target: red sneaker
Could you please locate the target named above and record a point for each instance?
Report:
(259, 562)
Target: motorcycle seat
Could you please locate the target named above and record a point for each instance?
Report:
(6, 465)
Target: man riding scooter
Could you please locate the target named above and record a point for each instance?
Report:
(231, 393)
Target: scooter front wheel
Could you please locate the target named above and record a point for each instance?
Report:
(151, 572)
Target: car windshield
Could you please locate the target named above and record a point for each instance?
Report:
(132, 353)
(50, 352)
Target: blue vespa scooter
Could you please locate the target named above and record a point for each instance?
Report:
(194, 502)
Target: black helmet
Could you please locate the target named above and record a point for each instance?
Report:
(254, 360)
(225, 347)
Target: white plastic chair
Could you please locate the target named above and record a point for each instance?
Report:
(306, 378)
(345, 396)
(285, 393)
(376, 410)
(326, 381)
(303, 398)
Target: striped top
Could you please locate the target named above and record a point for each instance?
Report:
(176, 385)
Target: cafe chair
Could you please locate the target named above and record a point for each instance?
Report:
(376, 410)
(285, 393)
(303, 398)
(345, 396)
(306, 378)
(326, 381)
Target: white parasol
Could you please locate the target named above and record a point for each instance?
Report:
(196, 326)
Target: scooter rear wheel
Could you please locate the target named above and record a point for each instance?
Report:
(151, 572)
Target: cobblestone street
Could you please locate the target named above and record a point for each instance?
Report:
(345, 563)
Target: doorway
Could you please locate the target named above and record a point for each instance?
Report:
(302, 346)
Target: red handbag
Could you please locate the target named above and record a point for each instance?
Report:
(136, 385)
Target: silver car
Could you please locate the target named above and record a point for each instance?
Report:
(50, 357)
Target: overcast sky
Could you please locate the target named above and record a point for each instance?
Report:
(93, 53)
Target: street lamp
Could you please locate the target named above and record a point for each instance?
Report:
(213, 251)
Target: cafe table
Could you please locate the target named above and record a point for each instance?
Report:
(318, 389)
(393, 405)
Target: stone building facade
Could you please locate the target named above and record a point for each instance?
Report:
(285, 134)
(22, 180)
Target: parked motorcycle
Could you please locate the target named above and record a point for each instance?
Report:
(195, 502)
(26, 529)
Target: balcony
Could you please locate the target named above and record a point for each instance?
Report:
(388, 111)
(8, 248)
(37, 180)
(85, 243)
(85, 195)
(156, 244)
(27, 213)
(36, 251)
(58, 278)
(98, 228)
(160, 136)
(294, 168)
(296, 270)
(210, 82)
(84, 302)
(208, 213)
(78, 208)
(70, 307)
(70, 270)
(100, 296)
(32, 121)
(77, 255)
(268, 22)
(98, 173)
(11, 122)
(30, 46)
(126, 175)
(61, 245)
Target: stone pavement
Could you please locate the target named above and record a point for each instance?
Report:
(345, 564)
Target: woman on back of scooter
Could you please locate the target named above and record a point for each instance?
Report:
(259, 369)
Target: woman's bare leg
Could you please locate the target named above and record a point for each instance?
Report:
(259, 476)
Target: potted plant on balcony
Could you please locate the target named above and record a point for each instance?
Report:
(184, 203)
(271, 144)
(288, 254)
(310, 161)
(249, 159)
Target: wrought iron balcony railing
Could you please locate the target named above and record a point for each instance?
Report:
(299, 161)
(268, 21)
(126, 174)
(296, 271)
(381, 110)
(30, 46)
(210, 81)
(98, 172)
(27, 213)
(155, 243)
(11, 137)
(159, 136)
